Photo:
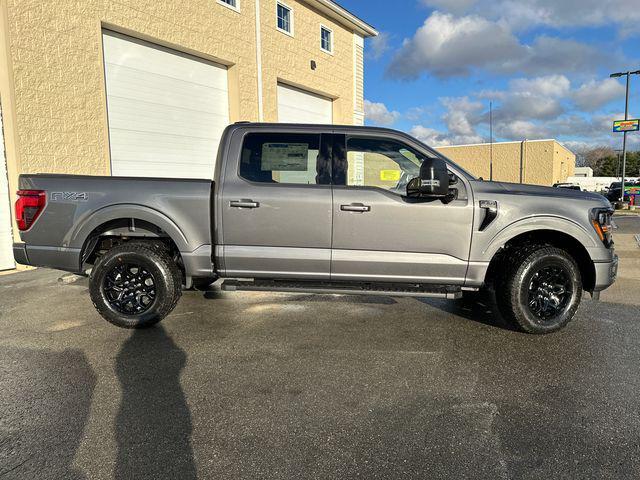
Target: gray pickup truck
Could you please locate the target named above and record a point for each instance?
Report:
(320, 209)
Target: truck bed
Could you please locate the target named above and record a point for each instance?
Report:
(78, 205)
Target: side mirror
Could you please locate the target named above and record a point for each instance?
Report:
(433, 180)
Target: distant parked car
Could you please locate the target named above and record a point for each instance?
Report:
(570, 186)
(613, 194)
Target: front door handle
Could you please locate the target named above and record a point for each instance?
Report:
(244, 204)
(355, 207)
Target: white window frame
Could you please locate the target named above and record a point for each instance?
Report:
(282, 4)
(330, 30)
(235, 9)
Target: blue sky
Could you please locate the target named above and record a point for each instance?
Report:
(543, 63)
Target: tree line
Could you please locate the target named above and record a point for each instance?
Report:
(606, 162)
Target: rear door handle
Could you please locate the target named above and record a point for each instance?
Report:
(244, 204)
(355, 207)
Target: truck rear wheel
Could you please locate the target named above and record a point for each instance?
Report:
(135, 285)
(540, 289)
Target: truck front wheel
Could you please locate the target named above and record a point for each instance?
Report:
(135, 285)
(540, 289)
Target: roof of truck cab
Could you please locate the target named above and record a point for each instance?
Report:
(315, 126)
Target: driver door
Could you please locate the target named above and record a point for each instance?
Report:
(381, 235)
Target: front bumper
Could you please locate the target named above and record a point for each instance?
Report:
(606, 274)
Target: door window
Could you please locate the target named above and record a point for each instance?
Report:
(285, 158)
(378, 162)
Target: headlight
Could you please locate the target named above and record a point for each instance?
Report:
(601, 221)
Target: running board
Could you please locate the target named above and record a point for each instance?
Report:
(344, 288)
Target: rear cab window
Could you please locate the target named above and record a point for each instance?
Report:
(285, 158)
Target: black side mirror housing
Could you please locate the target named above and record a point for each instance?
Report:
(433, 181)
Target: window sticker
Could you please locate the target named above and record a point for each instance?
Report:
(390, 175)
(292, 157)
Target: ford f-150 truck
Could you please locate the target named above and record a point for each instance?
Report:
(321, 209)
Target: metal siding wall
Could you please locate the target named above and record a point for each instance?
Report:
(298, 106)
(166, 110)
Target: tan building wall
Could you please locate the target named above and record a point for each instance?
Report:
(544, 162)
(52, 84)
(287, 59)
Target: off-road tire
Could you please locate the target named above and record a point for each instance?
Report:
(167, 279)
(514, 280)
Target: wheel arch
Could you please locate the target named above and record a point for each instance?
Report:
(129, 222)
(547, 236)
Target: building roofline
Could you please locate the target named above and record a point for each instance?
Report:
(502, 143)
(344, 16)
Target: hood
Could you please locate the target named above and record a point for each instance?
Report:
(536, 190)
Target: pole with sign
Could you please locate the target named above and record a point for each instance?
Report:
(625, 126)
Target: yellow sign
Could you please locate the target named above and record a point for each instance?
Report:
(390, 175)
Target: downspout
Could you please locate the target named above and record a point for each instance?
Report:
(259, 62)
(522, 145)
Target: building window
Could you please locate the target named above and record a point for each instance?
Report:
(326, 39)
(285, 18)
(232, 4)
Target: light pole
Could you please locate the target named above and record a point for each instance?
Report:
(626, 117)
(618, 152)
(491, 141)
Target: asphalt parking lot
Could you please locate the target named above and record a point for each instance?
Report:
(253, 385)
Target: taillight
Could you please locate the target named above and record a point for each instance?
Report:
(29, 205)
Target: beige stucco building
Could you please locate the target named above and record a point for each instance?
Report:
(145, 87)
(539, 162)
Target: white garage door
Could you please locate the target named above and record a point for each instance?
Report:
(6, 239)
(298, 106)
(167, 110)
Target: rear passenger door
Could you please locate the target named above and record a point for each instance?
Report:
(276, 207)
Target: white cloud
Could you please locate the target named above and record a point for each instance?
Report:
(415, 113)
(378, 46)
(429, 136)
(453, 6)
(596, 94)
(529, 108)
(526, 14)
(462, 116)
(550, 85)
(378, 114)
(448, 46)
(551, 55)
(535, 98)
(520, 130)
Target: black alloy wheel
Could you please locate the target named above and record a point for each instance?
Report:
(136, 284)
(539, 288)
(129, 288)
(550, 290)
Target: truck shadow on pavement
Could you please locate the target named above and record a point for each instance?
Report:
(478, 307)
(153, 425)
(41, 424)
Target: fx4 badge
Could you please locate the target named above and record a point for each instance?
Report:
(71, 196)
